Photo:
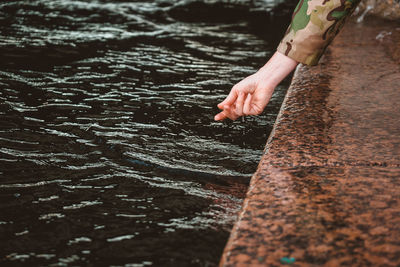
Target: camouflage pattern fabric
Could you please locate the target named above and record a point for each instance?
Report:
(314, 25)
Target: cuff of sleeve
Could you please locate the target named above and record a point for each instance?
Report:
(301, 52)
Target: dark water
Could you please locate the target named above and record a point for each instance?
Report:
(109, 154)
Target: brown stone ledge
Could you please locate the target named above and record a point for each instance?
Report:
(327, 190)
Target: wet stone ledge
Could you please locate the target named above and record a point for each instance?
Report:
(387, 9)
(327, 190)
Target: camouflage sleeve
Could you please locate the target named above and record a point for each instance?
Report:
(314, 25)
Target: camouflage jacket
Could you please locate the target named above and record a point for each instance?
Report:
(314, 25)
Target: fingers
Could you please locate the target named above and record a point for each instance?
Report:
(239, 104)
(238, 110)
(230, 113)
(247, 105)
(226, 113)
(229, 100)
(220, 116)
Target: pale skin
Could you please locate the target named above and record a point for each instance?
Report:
(251, 95)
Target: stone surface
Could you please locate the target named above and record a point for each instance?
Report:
(327, 190)
(387, 9)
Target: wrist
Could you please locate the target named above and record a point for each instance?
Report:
(276, 69)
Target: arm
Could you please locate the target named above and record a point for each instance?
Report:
(314, 25)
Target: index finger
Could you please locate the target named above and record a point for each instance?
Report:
(220, 116)
(229, 100)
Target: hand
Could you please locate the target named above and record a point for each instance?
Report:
(251, 95)
(248, 97)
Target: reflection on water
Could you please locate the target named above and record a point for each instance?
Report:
(108, 149)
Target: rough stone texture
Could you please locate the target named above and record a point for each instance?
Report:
(388, 9)
(327, 190)
(391, 41)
